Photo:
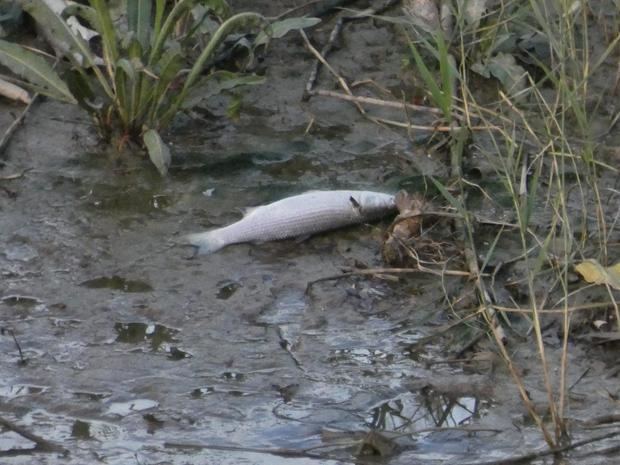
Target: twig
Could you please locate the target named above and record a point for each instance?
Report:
(329, 46)
(384, 273)
(375, 101)
(10, 177)
(3, 330)
(576, 308)
(339, 78)
(279, 452)
(15, 124)
(544, 453)
(41, 445)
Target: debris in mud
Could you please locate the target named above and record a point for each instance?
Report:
(81, 430)
(406, 243)
(40, 444)
(226, 289)
(174, 353)
(377, 445)
(122, 409)
(117, 283)
(287, 392)
(21, 300)
(364, 444)
(20, 252)
(156, 334)
(153, 423)
(22, 360)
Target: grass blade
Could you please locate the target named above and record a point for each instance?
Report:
(439, 96)
(139, 20)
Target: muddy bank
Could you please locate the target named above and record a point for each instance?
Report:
(136, 351)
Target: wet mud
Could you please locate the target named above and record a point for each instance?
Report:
(120, 346)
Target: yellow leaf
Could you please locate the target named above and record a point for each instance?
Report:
(593, 272)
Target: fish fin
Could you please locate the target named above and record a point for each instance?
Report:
(205, 242)
(356, 205)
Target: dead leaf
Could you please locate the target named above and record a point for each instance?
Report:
(13, 92)
(423, 14)
(599, 323)
(593, 272)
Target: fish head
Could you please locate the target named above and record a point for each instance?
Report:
(371, 204)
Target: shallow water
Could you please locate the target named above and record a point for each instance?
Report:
(136, 352)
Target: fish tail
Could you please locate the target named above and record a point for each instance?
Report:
(207, 242)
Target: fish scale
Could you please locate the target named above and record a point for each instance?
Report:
(300, 215)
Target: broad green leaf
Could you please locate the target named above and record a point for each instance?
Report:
(35, 70)
(70, 44)
(593, 272)
(159, 153)
(128, 67)
(107, 31)
(162, 34)
(124, 76)
(167, 69)
(234, 108)
(218, 82)
(133, 49)
(241, 20)
(504, 67)
(279, 29)
(139, 14)
(79, 85)
(160, 8)
(56, 29)
(219, 7)
(84, 12)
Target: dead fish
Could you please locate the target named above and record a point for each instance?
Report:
(297, 216)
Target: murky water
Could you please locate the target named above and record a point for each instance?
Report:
(128, 350)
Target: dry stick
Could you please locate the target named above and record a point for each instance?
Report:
(11, 177)
(22, 360)
(384, 272)
(14, 125)
(400, 105)
(339, 78)
(576, 308)
(314, 74)
(41, 445)
(376, 101)
(329, 46)
(551, 451)
(279, 452)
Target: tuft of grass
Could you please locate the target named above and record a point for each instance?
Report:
(541, 143)
(147, 66)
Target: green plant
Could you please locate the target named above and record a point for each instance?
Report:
(441, 92)
(538, 138)
(145, 72)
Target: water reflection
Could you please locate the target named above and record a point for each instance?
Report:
(134, 333)
(425, 409)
